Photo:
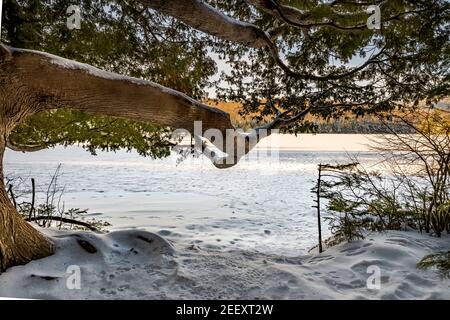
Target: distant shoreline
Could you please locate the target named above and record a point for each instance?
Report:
(321, 142)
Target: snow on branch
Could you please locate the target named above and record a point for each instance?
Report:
(53, 82)
(205, 18)
(67, 83)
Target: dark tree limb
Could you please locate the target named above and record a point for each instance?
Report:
(11, 193)
(10, 144)
(303, 20)
(64, 220)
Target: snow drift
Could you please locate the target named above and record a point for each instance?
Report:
(136, 264)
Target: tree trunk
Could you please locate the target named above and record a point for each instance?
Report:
(19, 241)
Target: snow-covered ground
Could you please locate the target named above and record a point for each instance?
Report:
(141, 265)
(191, 231)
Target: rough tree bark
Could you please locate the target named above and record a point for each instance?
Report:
(19, 241)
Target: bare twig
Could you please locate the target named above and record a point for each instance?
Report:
(65, 220)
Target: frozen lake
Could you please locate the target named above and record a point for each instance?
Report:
(262, 204)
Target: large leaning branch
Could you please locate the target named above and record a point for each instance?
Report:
(38, 81)
(55, 82)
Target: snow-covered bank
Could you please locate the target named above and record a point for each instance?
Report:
(137, 264)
